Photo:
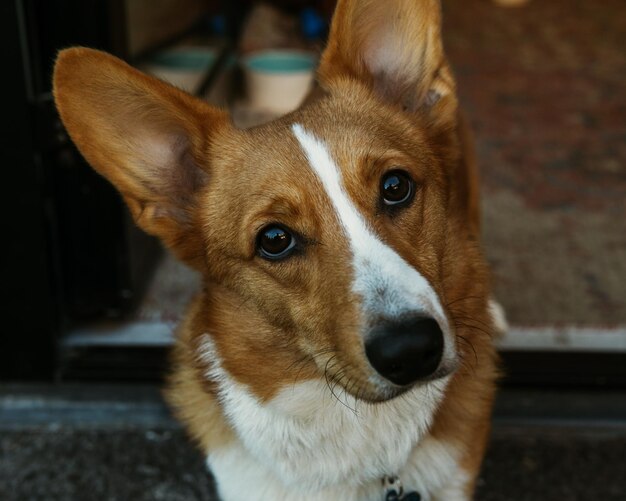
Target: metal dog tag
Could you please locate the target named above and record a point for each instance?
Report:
(395, 492)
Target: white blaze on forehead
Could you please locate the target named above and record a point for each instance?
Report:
(388, 285)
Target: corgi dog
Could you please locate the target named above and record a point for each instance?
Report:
(341, 346)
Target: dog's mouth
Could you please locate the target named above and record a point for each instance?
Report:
(349, 386)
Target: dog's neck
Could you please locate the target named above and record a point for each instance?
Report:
(311, 436)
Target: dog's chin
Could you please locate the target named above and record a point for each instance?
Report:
(390, 391)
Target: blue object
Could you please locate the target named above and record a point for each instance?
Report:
(313, 25)
(218, 24)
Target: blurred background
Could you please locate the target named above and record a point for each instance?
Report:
(91, 302)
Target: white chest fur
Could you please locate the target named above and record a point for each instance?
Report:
(306, 444)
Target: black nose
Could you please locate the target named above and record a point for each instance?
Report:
(405, 351)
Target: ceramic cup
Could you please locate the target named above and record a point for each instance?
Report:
(184, 67)
(278, 80)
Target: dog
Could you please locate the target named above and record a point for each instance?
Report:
(341, 347)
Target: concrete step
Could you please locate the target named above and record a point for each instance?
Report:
(76, 442)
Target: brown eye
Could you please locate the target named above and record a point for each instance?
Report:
(397, 188)
(275, 242)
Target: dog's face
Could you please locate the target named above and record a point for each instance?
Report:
(336, 229)
(322, 236)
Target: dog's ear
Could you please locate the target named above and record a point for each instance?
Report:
(394, 47)
(149, 139)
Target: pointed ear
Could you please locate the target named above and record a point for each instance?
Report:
(149, 139)
(395, 48)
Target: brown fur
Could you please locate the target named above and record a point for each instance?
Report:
(206, 189)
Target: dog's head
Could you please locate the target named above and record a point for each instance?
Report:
(333, 240)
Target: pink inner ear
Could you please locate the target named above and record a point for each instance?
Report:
(393, 79)
(399, 45)
(396, 60)
(168, 169)
(383, 53)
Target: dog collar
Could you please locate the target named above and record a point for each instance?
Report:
(395, 492)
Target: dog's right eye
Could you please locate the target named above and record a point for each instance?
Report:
(275, 242)
(397, 188)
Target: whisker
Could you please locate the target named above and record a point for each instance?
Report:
(470, 326)
(471, 345)
(333, 380)
(486, 325)
(464, 298)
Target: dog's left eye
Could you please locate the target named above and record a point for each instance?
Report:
(275, 242)
(397, 188)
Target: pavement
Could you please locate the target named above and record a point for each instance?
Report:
(158, 464)
(84, 442)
